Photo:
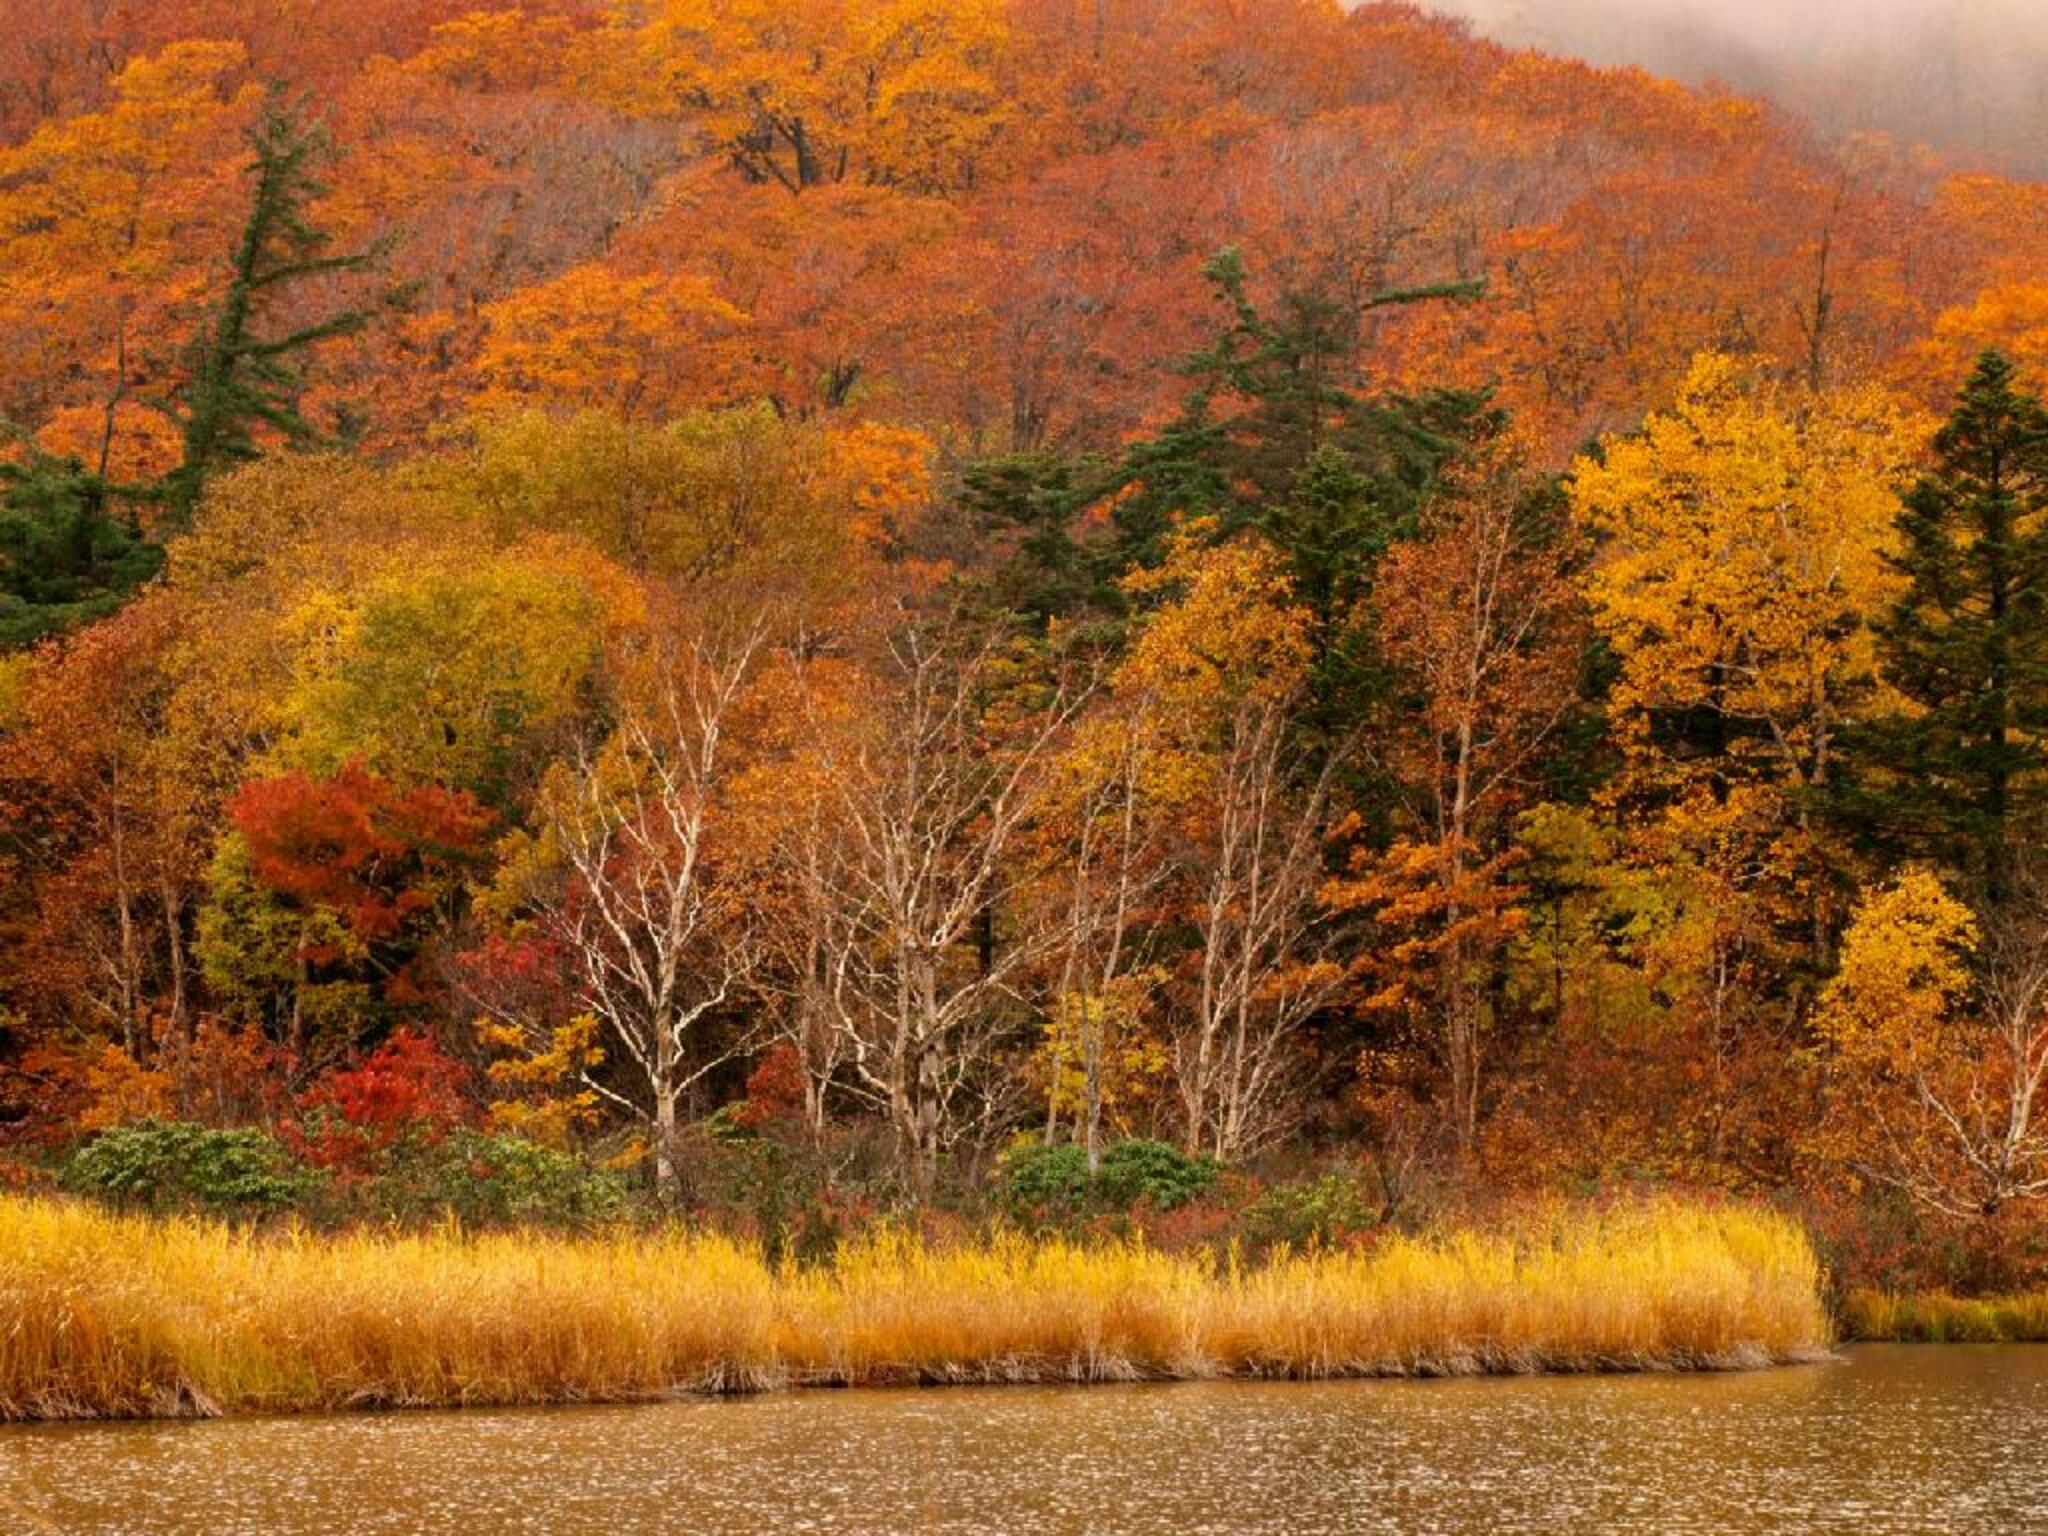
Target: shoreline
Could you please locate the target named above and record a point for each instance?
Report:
(1419, 1374)
(1014, 1374)
(109, 1316)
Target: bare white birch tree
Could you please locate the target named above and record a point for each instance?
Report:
(922, 936)
(657, 940)
(1112, 838)
(1254, 870)
(1216, 677)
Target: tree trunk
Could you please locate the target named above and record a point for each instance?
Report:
(174, 933)
(1091, 1090)
(668, 1182)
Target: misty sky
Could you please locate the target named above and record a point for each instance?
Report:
(1970, 75)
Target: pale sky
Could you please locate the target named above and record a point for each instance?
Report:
(1971, 75)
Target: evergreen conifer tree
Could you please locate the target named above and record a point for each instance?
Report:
(245, 379)
(1959, 777)
(72, 548)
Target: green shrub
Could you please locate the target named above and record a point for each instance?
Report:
(1163, 1176)
(174, 1166)
(1312, 1215)
(1053, 1181)
(1045, 1181)
(486, 1180)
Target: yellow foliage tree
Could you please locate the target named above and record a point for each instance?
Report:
(1746, 529)
(1743, 535)
(902, 92)
(1226, 634)
(443, 674)
(1935, 1048)
(650, 343)
(771, 512)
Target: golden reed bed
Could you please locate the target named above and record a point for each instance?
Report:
(106, 1315)
(1935, 1317)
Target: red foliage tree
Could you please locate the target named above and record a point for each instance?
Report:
(377, 854)
(408, 1086)
(775, 1088)
(386, 860)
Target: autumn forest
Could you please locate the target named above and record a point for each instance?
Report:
(1234, 618)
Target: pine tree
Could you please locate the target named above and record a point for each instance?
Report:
(1020, 513)
(68, 552)
(1272, 394)
(243, 380)
(1279, 432)
(1960, 776)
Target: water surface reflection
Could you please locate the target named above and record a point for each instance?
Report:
(1897, 1439)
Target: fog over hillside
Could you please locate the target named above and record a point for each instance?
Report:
(1968, 75)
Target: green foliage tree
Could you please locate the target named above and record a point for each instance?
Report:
(1959, 774)
(67, 555)
(1026, 508)
(1282, 431)
(244, 378)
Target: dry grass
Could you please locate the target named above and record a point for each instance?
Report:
(1935, 1317)
(107, 1315)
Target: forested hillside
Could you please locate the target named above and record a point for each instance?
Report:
(884, 599)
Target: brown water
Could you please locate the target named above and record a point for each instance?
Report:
(1894, 1439)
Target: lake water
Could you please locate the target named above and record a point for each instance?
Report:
(1950, 1439)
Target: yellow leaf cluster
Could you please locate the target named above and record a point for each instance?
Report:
(1745, 537)
(1227, 636)
(1904, 971)
(542, 1076)
(908, 93)
(1228, 630)
(1109, 1024)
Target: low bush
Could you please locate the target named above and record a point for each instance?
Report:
(165, 1166)
(1052, 1183)
(1048, 1183)
(497, 1181)
(1323, 1213)
(1162, 1176)
(481, 1180)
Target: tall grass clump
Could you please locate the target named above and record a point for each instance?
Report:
(104, 1314)
(1935, 1317)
